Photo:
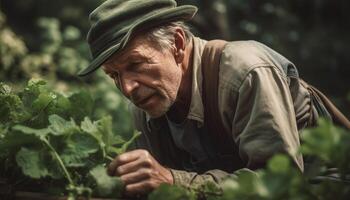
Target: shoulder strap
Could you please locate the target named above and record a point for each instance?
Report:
(210, 70)
(229, 160)
(337, 117)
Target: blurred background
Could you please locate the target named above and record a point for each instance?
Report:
(46, 39)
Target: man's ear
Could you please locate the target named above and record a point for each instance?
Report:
(179, 44)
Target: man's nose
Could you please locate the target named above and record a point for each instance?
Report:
(128, 85)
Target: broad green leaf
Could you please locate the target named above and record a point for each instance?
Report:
(84, 142)
(13, 140)
(92, 128)
(32, 163)
(89, 127)
(43, 101)
(106, 185)
(54, 170)
(60, 126)
(102, 131)
(74, 158)
(79, 147)
(108, 137)
(40, 133)
(60, 106)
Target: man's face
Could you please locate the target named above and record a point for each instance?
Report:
(146, 75)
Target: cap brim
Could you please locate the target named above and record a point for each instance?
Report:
(185, 13)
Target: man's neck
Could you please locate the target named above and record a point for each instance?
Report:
(179, 110)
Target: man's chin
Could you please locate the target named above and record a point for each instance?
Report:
(155, 113)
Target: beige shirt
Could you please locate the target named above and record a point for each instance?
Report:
(260, 106)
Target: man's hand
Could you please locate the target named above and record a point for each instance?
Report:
(139, 171)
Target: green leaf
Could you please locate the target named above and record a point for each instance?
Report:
(92, 128)
(11, 109)
(60, 106)
(79, 147)
(321, 141)
(245, 184)
(106, 185)
(279, 164)
(60, 126)
(71, 157)
(105, 127)
(32, 91)
(102, 131)
(108, 137)
(42, 102)
(32, 163)
(84, 142)
(89, 127)
(13, 140)
(40, 133)
(81, 105)
(126, 145)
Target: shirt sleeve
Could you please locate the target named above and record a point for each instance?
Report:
(264, 122)
(194, 180)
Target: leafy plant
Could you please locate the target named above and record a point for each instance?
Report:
(47, 136)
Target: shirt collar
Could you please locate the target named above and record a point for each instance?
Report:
(196, 111)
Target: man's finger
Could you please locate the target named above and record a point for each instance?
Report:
(136, 176)
(133, 166)
(143, 187)
(125, 158)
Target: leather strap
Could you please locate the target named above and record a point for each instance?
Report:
(338, 117)
(212, 118)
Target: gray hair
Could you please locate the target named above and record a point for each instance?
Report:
(163, 35)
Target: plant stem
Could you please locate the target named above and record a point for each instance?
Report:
(59, 161)
(109, 158)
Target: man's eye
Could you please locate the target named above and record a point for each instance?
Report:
(136, 62)
(135, 65)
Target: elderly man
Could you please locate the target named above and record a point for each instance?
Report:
(156, 62)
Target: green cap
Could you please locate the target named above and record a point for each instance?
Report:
(114, 22)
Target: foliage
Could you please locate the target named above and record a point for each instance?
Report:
(48, 139)
(48, 136)
(325, 177)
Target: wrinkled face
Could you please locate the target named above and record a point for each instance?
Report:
(146, 75)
